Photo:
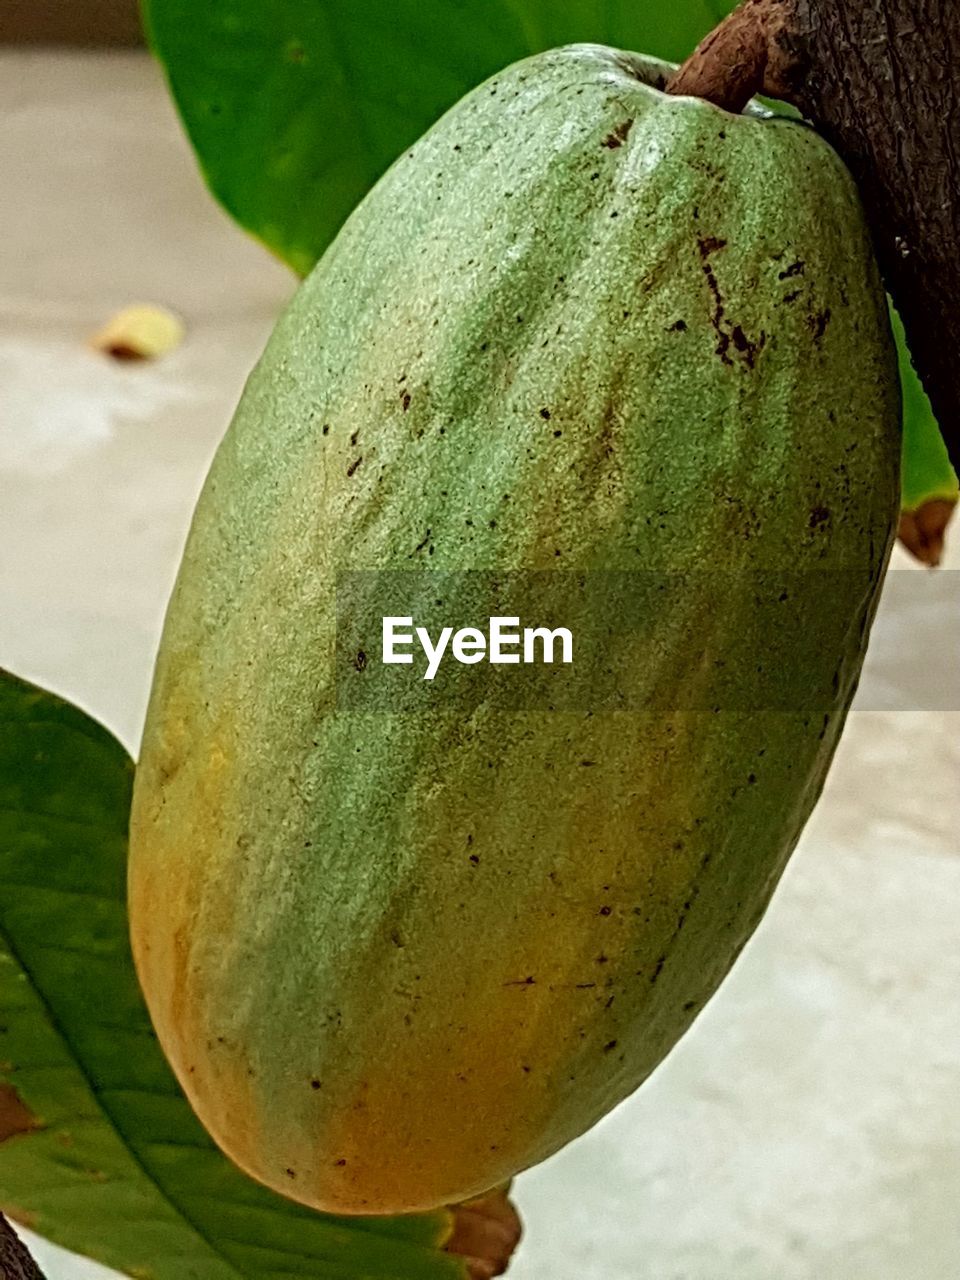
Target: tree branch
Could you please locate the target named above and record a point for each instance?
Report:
(15, 1262)
(729, 65)
(880, 80)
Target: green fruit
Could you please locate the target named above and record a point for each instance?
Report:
(582, 328)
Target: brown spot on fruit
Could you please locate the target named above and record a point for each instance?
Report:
(747, 349)
(708, 245)
(618, 136)
(743, 347)
(818, 322)
(795, 269)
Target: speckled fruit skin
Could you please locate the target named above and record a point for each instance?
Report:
(394, 959)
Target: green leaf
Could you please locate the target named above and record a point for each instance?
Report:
(927, 473)
(295, 107)
(99, 1150)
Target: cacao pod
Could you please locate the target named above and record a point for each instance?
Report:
(581, 328)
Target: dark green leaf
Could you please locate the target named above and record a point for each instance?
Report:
(99, 1151)
(295, 107)
(927, 472)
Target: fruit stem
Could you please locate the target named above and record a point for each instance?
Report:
(735, 61)
(484, 1232)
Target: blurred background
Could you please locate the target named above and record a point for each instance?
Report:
(808, 1128)
(92, 24)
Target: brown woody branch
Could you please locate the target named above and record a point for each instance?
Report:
(880, 79)
(15, 1262)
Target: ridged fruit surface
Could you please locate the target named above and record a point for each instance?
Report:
(581, 328)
